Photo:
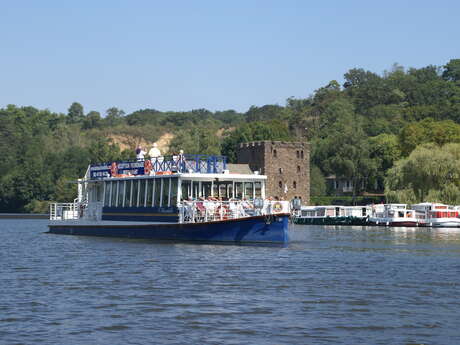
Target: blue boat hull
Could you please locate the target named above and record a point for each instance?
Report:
(259, 229)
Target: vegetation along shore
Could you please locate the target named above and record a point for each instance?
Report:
(396, 133)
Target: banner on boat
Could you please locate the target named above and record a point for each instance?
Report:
(113, 169)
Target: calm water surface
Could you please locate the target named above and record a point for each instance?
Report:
(331, 285)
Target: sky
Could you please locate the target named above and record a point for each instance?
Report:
(219, 55)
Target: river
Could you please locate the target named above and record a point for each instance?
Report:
(331, 285)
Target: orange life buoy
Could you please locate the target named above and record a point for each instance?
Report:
(147, 167)
(114, 169)
(277, 207)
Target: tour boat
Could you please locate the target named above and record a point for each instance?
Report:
(179, 198)
(392, 215)
(436, 215)
(332, 215)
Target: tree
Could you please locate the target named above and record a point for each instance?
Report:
(429, 171)
(253, 131)
(266, 112)
(317, 182)
(113, 116)
(75, 113)
(196, 140)
(103, 150)
(452, 71)
(384, 151)
(92, 120)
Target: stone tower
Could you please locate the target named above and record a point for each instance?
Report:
(286, 164)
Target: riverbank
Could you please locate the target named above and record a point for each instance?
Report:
(24, 216)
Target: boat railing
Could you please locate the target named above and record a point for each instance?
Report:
(64, 210)
(76, 210)
(183, 163)
(212, 210)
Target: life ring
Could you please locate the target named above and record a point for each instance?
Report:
(147, 167)
(223, 212)
(113, 169)
(277, 207)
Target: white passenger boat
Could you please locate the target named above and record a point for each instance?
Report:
(190, 198)
(436, 215)
(392, 215)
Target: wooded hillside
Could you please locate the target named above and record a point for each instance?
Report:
(374, 130)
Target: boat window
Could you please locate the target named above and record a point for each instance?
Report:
(258, 189)
(165, 192)
(149, 187)
(223, 191)
(206, 189)
(157, 192)
(142, 191)
(239, 190)
(215, 189)
(185, 189)
(195, 189)
(107, 194)
(400, 214)
(128, 191)
(173, 198)
(248, 190)
(135, 196)
(99, 189)
(114, 194)
(121, 193)
(230, 190)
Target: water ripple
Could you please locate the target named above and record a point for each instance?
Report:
(331, 285)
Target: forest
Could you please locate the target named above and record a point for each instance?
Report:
(397, 132)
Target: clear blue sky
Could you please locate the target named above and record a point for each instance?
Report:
(183, 55)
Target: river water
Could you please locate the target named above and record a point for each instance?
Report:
(331, 285)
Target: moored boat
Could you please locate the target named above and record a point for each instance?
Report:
(332, 215)
(180, 198)
(392, 215)
(436, 215)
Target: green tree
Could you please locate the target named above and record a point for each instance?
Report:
(253, 131)
(384, 151)
(452, 71)
(75, 113)
(92, 120)
(429, 170)
(114, 116)
(317, 182)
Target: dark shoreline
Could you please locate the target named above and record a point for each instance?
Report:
(24, 216)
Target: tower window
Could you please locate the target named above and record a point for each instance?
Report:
(280, 184)
(298, 168)
(298, 154)
(301, 154)
(294, 184)
(274, 153)
(280, 170)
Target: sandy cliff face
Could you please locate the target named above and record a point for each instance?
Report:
(129, 142)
